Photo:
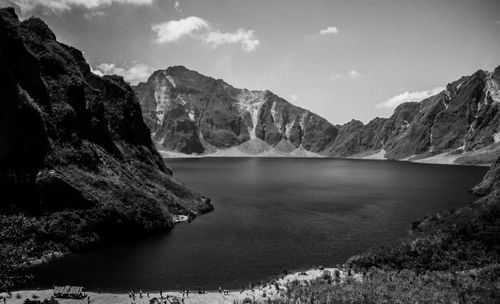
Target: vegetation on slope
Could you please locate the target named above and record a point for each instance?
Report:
(77, 164)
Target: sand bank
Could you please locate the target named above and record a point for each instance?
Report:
(264, 292)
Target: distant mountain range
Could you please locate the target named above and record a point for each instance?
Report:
(191, 113)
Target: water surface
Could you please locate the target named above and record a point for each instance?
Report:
(271, 214)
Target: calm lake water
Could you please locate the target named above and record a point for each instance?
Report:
(271, 215)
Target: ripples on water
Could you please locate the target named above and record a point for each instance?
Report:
(271, 215)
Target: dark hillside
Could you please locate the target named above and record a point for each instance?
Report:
(77, 163)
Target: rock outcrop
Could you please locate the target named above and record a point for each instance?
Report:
(490, 182)
(73, 146)
(192, 113)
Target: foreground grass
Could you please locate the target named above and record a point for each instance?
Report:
(380, 286)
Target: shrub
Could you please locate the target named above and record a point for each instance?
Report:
(327, 275)
(247, 301)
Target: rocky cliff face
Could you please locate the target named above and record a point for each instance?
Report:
(73, 146)
(490, 182)
(192, 113)
(464, 117)
(355, 137)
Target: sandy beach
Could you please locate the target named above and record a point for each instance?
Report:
(263, 292)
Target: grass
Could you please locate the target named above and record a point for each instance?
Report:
(379, 286)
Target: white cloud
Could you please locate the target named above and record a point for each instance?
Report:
(133, 74)
(408, 97)
(331, 30)
(62, 5)
(294, 97)
(175, 29)
(177, 6)
(97, 72)
(352, 74)
(337, 77)
(93, 14)
(244, 37)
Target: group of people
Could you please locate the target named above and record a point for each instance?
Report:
(184, 292)
(131, 294)
(225, 291)
(161, 300)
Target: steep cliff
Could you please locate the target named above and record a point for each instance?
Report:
(75, 155)
(192, 113)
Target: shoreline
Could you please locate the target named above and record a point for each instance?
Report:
(485, 156)
(273, 289)
(423, 161)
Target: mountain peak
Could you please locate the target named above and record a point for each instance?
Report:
(190, 112)
(178, 69)
(8, 12)
(38, 26)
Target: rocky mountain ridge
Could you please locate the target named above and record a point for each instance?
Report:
(192, 113)
(460, 124)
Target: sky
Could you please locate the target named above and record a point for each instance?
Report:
(340, 59)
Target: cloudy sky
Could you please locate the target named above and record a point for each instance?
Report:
(340, 59)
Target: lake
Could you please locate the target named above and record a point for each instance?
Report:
(271, 215)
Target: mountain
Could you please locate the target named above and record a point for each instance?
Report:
(77, 163)
(460, 124)
(192, 113)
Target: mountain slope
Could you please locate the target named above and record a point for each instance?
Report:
(462, 119)
(192, 113)
(77, 163)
